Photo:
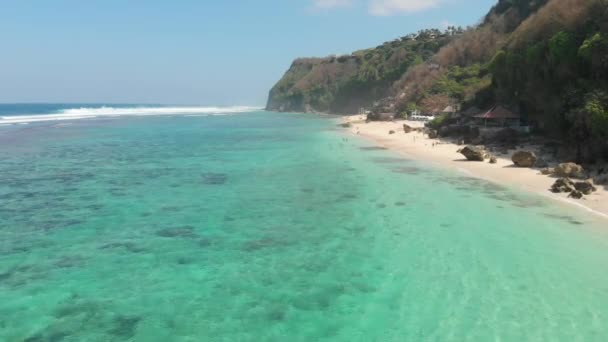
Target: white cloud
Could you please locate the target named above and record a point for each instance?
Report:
(328, 4)
(390, 7)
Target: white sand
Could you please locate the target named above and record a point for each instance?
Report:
(418, 146)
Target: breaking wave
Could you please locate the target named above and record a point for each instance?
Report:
(97, 112)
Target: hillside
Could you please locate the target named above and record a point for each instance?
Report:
(344, 84)
(547, 59)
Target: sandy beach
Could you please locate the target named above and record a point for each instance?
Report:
(418, 146)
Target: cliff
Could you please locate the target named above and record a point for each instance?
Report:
(547, 59)
(344, 84)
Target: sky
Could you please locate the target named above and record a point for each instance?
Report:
(207, 52)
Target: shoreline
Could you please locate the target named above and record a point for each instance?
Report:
(444, 154)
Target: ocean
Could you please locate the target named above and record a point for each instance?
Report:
(160, 223)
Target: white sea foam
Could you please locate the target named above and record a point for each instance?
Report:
(97, 112)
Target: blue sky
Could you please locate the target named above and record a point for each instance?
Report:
(191, 52)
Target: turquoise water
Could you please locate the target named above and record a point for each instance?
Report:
(277, 227)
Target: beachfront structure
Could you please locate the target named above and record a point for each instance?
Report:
(499, 116)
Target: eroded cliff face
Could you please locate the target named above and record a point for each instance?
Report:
(344, 84)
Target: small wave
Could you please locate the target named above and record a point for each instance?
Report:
(96, 112)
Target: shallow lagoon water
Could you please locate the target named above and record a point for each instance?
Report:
(277, 227)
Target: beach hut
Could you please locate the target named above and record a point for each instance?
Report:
(499, 116)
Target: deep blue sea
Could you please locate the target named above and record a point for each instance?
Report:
(150, 223)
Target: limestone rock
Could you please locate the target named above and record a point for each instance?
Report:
(473, 153)
(391, 132)
(493, 160)
(571, 170)
(563, 185)
(407, 128)
(585, 187)
(576, 194)
(524, 159)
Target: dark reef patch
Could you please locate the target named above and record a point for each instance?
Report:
(211, 178)
(56, 336)
(129, 246)
(407, 170)
(400, 204)
(348, 196)
(372, 148)
(389, 160)
(178, 232)
(255, 245)
(124, 326)
(204, 243)
(70, 261)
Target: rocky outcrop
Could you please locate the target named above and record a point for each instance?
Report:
(407, 128)
(576, 194)
(563, 185)
(493, 160)
(585, 187)
(575, 190)
(570, 170)
(524, 159)
(473, 153)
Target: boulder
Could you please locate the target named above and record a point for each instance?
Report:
(407, 128)
(571, 170)
(585, 187)
(432, 134)
(563, 185)
(473, 153)
(524, 159)
(576, 194)
(493, 160)
(391, 132)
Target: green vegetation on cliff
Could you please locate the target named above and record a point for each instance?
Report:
(343, 84)
(547, 59)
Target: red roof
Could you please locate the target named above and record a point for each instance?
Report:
(498, 112)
